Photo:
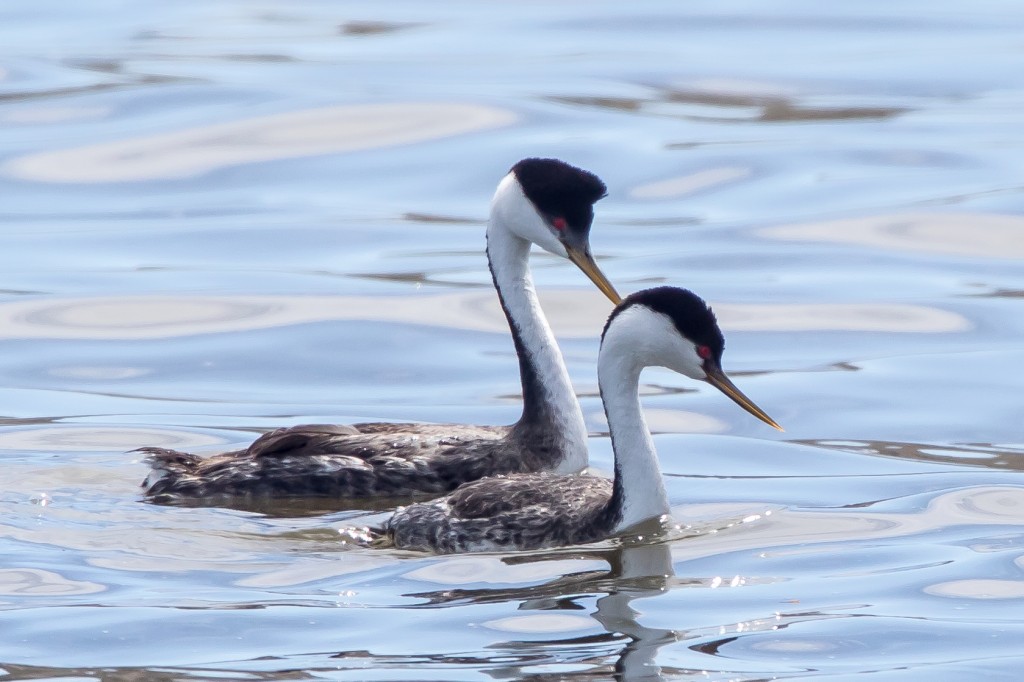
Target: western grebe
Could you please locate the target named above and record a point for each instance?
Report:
(545, 202)
(665, 327)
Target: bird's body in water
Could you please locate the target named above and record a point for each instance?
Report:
(541, 201)
(666, 327)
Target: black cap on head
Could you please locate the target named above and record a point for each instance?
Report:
(688, 312)
(560, 190)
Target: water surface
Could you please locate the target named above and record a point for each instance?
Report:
(222, 218)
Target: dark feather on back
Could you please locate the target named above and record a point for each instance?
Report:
(360, 460)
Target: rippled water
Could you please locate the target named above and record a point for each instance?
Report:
(218, 218)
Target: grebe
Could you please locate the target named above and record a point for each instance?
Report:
(665, 327)
(546, 202)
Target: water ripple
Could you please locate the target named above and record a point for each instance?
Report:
(326, 130)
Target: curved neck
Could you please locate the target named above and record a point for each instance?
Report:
(639, 491)
(550, 408)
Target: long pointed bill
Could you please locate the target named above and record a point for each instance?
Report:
(585, 262)
(716, 377)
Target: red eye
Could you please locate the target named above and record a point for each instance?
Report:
(704, 352)
(559, 223)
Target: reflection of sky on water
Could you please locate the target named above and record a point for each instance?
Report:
(28, 582)
(193, 151)
(220, 218)
(687, 184)
(573, 314)
(968, 235)
(92, 438)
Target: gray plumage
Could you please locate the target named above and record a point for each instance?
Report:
(522, 512)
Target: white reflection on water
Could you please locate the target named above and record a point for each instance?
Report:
(574, 313)
(305, 570)
(307, 132)
(96, 438)
(973, 235)
(662, 420)
(492, 570)
(97, 373)
(35, 582)
(688, 184)
(53, 114)
(541, 623)
(979, 589)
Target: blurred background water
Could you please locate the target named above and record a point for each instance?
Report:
(218, 218)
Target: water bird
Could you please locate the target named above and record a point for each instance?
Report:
(665, 327)
(546, 202)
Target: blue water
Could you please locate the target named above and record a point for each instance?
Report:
(218, 218)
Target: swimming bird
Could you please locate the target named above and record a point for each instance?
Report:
(546, 202)
(665, 327)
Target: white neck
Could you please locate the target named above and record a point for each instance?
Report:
(508, 255)
(640, 491)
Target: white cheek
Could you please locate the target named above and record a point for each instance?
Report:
(684, 359)
(533, 228)
(552, 245)
(518, 214)
(655, 342)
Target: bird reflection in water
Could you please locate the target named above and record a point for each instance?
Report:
(636, 571)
